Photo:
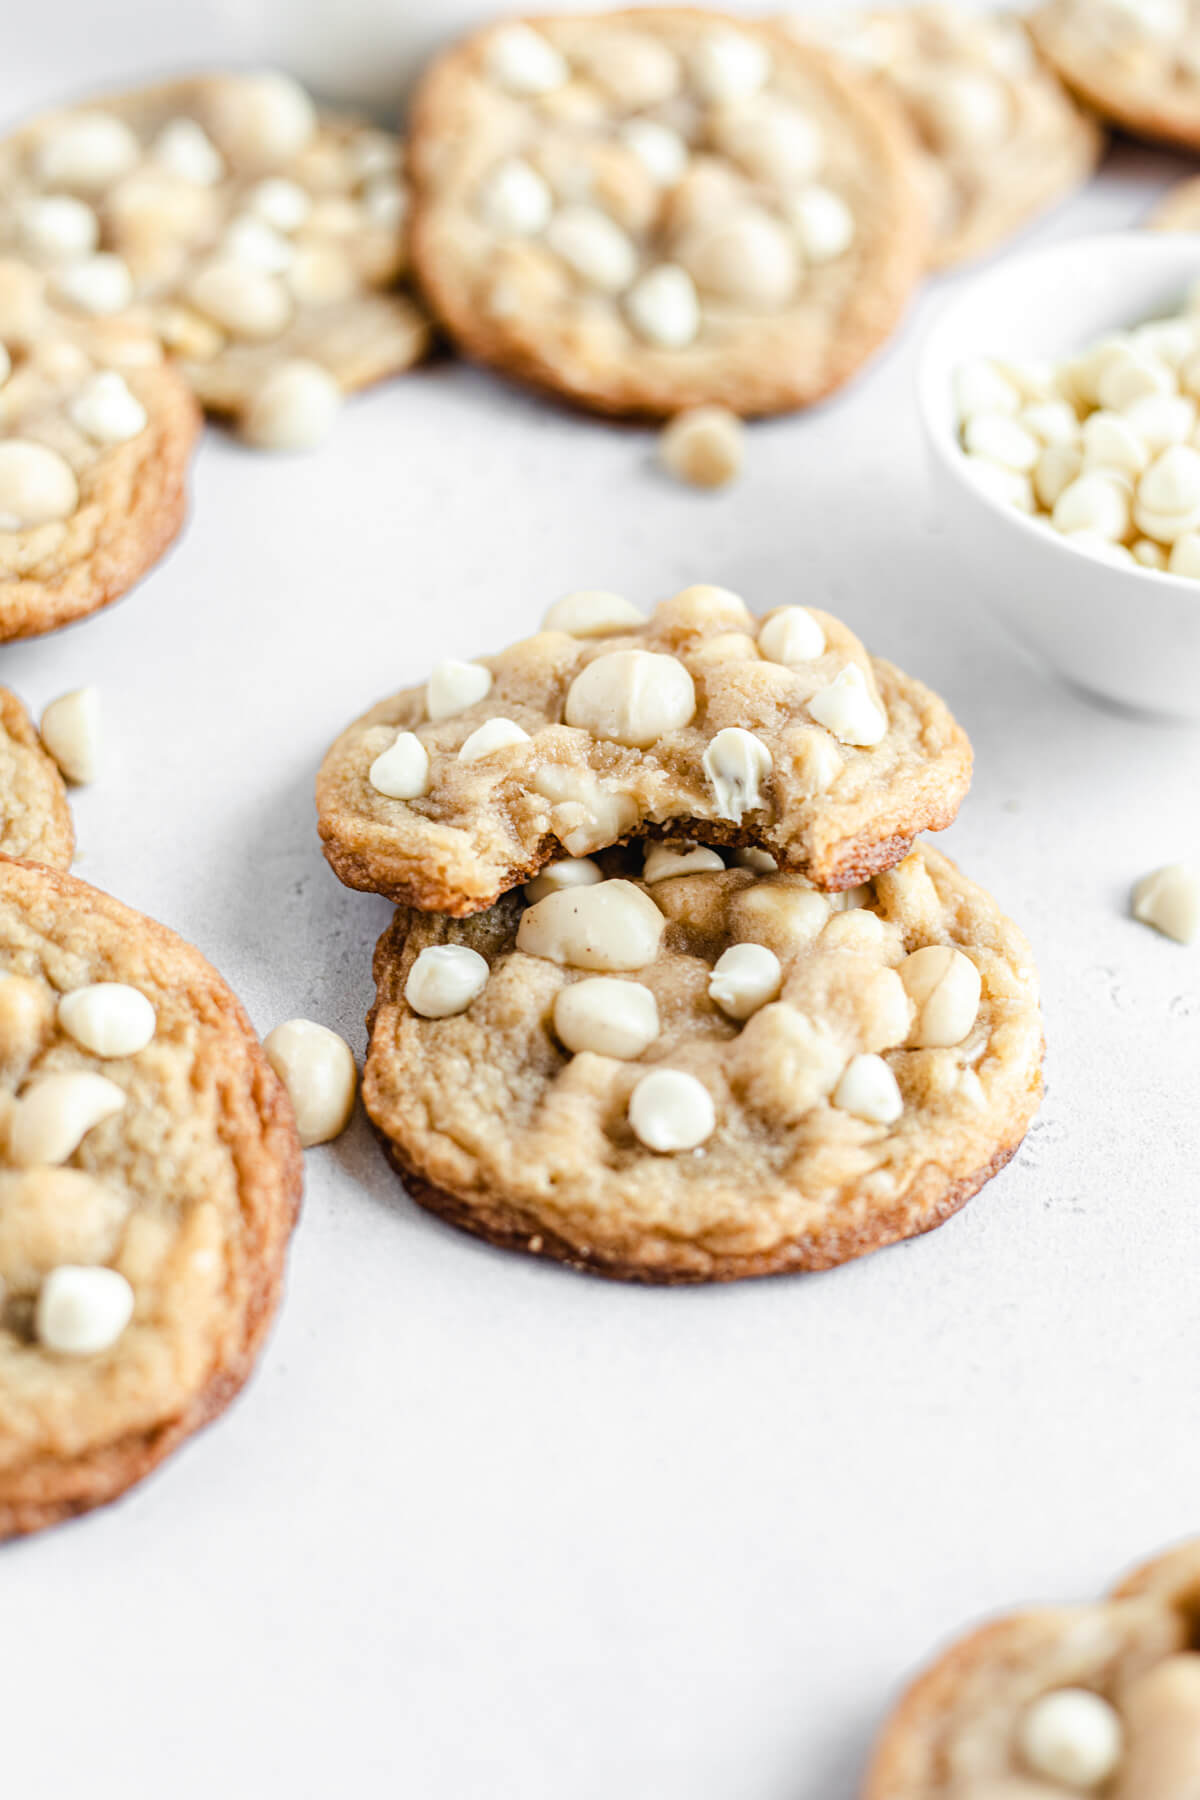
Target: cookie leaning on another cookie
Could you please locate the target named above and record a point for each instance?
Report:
(35, 819)
(1137, 64)
(783, 734)
(96, 433)
(999, 137)
(149, 1179)
(1053, 1702)
(675, 1071)
(648, 211)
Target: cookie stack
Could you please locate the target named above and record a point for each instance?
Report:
(669, 995)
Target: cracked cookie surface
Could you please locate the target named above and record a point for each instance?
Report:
(760, 1078)
(35, 818)
(149, 1179)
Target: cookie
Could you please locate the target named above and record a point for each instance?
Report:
(1179, 210)
(667, 1069)
(648, 211)
(781, 733)
(149, 1179)
(1055, 1701)
(1137, 62)
(35, 820)
(250, 231)
(96, 435)
(999, 137)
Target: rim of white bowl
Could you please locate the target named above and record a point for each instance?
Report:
(932, 394)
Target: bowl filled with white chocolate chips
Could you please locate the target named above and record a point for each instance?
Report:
(1060, 395)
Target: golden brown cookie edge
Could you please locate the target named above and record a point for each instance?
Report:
(56, 842)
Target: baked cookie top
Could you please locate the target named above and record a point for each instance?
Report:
(999, 136)
(1059, 1701)
(782, 733)
(149, 1177)
(1136, 61)
(647, 211)
(96, 433)
(668, 1069)
(246, 228)
(35, 819)
(1179, 210)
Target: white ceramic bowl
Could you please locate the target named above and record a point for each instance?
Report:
(1128, 634)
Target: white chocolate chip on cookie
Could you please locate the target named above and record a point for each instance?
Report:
(455, 686)
(402, 770)
(593, 612)
(944, 987)
(567, 872)
(54, 1114)
(87, 153)
(737, 763)
(107, 411)
(444, 980)
(607, 1017)
(37, 485)
(260, 120)
(868, 1089)
(515, 200)
(594, 247)
(790, 636)
(317, 1068)
(109, 1018)
(611, 927)
(664, 307)
(58, 228)
(745, 977)
(631, 697)
(1073, 1736)
(82, 1310)
(847, 709)
(522, 61)
(492, 735)
(670, 1110)
(665, 861)
(185, 149)
(99, 284)
(245, 301)
(727, 65)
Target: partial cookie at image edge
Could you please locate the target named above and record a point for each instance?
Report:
(1122, 104)
(35, 814)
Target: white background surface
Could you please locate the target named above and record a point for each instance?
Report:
(485, 1530)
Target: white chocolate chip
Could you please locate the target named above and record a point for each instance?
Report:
(611, 926)
(966, 109)
(522, 61)
(1161, 420)
(1006, 486)
(824, 223)
(1153, 556)
(37, 485)
(320, 275)
(1184, 558)
(70, 728)
(662, 152)
(82, 1310)
(1072, 1736)
(607, 1017)
(1096, 502)
(185, 150)
(705, 446)
(664, 307)
(594, 247)
(282, 203)
(1128, 375)
(761, 861)
(401, 772)
(293, 408)
(444, 980)
(790, 636)
(1110, 442)
(592, 612)
(744, 978)
(515, 201)
(109, 1018)
(587, 813)
(846, 708)
(492, 735)
(106, 411)
(1002, 440)
(944, 987)
(1103, 549)
(317, 1068)
(632, 697)
(100, 284)
(773, 141)
(868, 1089)
(1168, 496)
(1051, 422)
(746, 257)
(1058, 466)
(247, 302)
(257, 245)
(455, 686)
(665, 861)
(1169, 899)
(565, 872)
(635, 68)
(670, 1110)
(58, 228)
(980, 387)
(737, 763)
(261, 120)
(52, 1117)
(729, 65)
(87, 152)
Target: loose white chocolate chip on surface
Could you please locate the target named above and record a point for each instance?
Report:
(665, 861)
(525, 63)
(454, 686)
(791, 636)
(610, 927)
(294, 408)
(37, 485)
(631, 697)
(99, 284)
(444, 980)
(1169, 899)
(109, 1018)
(607, 1017)
(744, 978)
(868, 1090)
(705, 446)
(317, 1068)
(737, 763)
(847, 709)
(593, 612)
(670, 1110)
(106, 411)
(82, 1310)
(70, 729)
(50, 1119)
(492, 735)
(664, 307)
(401, 772)
(58, 228)
(87, 152)
(594, 247)
(945, 988)
(1072, 1736)
(567, 872)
